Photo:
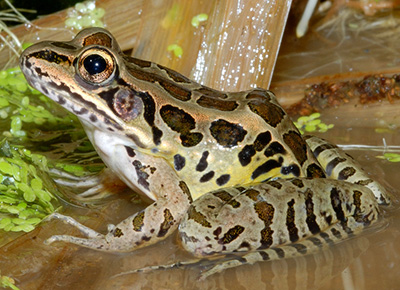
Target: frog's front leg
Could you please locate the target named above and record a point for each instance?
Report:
(146, 227)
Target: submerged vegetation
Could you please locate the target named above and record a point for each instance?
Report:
(312, 123)
(30, 122)
(36, 137)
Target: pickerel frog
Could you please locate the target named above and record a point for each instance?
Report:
(230, 170)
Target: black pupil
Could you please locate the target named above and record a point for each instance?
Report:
(94, 64)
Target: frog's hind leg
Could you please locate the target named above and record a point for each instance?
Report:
(214, 265)
(341, 166)
(309, 246)
(273, 220)
(300, 217)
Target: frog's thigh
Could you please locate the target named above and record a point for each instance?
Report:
(273, 214)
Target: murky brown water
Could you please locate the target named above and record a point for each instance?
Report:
(369, 261)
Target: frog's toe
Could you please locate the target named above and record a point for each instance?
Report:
(92, 243)
(97, 192)
(95, 187)
(52, 216)
(90, 233)
(53, 239)
(58, 216)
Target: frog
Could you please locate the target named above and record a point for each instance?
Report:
(228, 171)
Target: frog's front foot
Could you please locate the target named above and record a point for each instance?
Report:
(96, 187)
(141, 229)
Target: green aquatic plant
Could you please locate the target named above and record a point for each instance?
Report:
(16, 106)
(391, 157)
(7, 282)
(24, 196)
(85, 14)
(312, 123)
(35, 134)
(196, 20)
(176, 49)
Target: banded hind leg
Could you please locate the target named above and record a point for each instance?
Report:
(341, 166)
(282, 218)
(273, 220)
(277, 219)
(318, 213)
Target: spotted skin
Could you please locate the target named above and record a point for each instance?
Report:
(290, 222)
(229, 171)
(227, 134)
(265, 212)
(348, 170)
(175, 123)
(217, 104)
(223, 179)
(181, 122)
(260, 104)
(179, 162)
(207, 177)
(202, 165)
(138, 222)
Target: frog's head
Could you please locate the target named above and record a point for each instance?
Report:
(86, 76)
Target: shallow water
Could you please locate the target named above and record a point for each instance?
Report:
(368, 261)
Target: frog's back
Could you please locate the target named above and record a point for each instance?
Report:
(232, 139)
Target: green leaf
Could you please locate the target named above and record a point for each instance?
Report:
(25, 45)
(28, 193)
(18, 221)
(43, 195)
(24, 227)
(3, 102)
(6, 168)
(4, 222)
(36, 184)
(33, 221)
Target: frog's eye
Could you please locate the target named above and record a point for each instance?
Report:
(96, 66)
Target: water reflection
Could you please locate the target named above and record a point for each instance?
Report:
(310, 272)
(355, 264)
(369, 261)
